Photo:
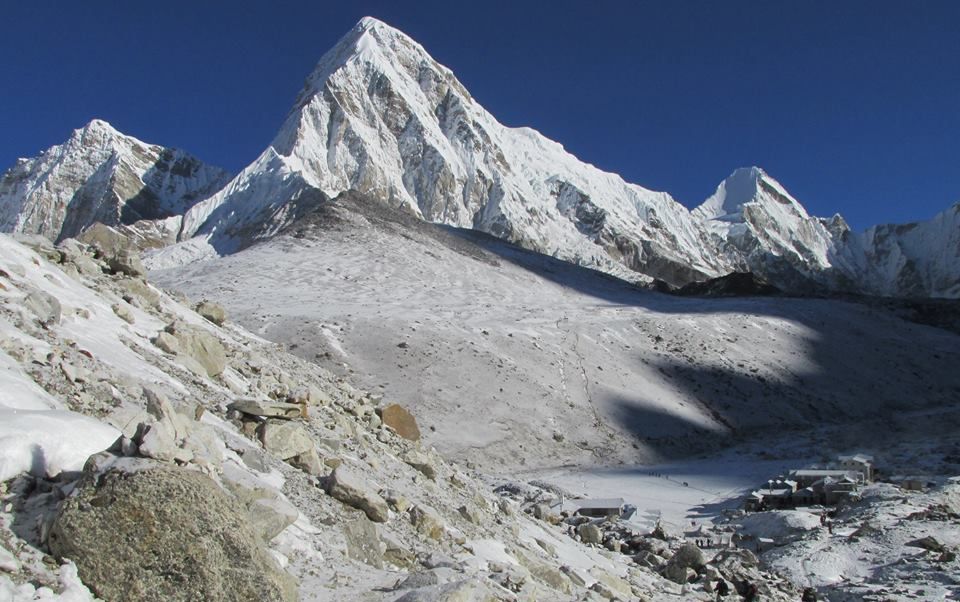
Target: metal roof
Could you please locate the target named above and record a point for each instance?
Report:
(573, 505)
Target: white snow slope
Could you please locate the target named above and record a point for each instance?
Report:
(99, 174)
(548, 363)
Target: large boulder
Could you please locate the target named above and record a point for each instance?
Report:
(107, 241)
(136, 290)
(688, 556)
(167, 342)
(400, 420)
(467, 590)
(212, 312)
(422, 462)
(268, 409)
(127, 262)
(350, 488)
(75, 253)
(164, 534)
(427, 521)
(363, 541)
(590, 533)
(45, 307)
(200, 346)
(285, 439)
(167, 435)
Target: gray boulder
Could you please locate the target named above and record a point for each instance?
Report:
(268, 409)
(688, 556)
(167, 435)
(123, 312)
(45, 307)
(363, 542)
(40, 244)
(427, 521)
(213, 312)
(126, 262)
(590, 533)
(350, 488)
(468, 590)
(422, 462)
(74, 253)
(107, 241)
(167, 342)
(202, 347)
(270, 515)
(285, 439)
(164, 534)
(138, 289)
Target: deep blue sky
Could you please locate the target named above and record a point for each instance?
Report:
(853, 106)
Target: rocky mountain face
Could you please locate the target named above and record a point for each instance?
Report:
(759, 227)
(101, 175)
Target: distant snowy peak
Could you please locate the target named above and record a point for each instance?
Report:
(748, 185)
(100, 174)
(919, 259)
(758, 226)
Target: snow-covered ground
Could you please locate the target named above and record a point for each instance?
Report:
(92, 342)
(517, 361)
(680, 495)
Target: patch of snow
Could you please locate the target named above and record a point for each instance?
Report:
(36, 435)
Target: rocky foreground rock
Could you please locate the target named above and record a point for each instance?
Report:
(148, 532)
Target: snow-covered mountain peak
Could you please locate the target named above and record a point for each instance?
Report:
(101, 174)
(379, 115)
(100, 126)
(746, 185)
(95, 137)
(759, 226)
(370, 41)
(95, 129)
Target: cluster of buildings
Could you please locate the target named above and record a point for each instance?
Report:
(595, 508)
(814, 486)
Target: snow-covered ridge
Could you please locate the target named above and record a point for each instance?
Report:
(100, 174)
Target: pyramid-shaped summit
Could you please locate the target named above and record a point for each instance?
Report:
(380, 115)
